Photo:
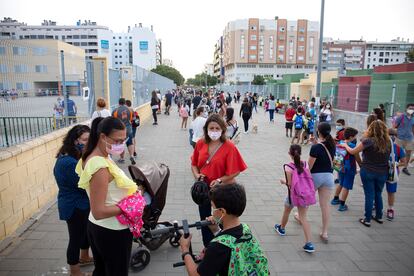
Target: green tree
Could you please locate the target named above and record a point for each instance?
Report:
(200, 80)
(258, 80)
(170, 73)
(410, 55)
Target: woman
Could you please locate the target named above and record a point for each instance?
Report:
(376, 149)
(231, 123)
(101, 111)
(246, 113)
(197, 125)
(154, 106)
(106, 185)
(380, 114)
(320, 165)
(271, 108)
(225, 165)
(73, 203)
(326, 114)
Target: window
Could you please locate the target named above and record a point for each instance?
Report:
(84, 44)
(242, 46)
(130, 37)
(76, 37)
(2, 51)
(116, 50)
(301, 30)
(381, 54)
(116, 44)
(116, 62)
(252, 57)
(120, 62)
(253, 37)
(386, 60)
(39, 51)
(120, 44)
(41, 37)
(41, 69)
(20, 68)
(76, 43)
(116, 56)
(301, 38)
(271, 47)
(253, 47)
(3, 68)
(22, 86)
(369, 54)
(300, 58)
(83, 36)
(120, 50)
(281, 48)
(120, 37)
(92, 37)
(19, 51)
(311, 41)
(301, 48)
(381, 60)
(254, 28)
(281, 29)
(120, 56)
(69, 37)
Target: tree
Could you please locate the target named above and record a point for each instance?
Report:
(258, 80)
(410, 55)
(200, 80)
(170, 73)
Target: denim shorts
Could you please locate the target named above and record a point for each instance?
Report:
(129, 136)
(346, 180)
(391, 187)
(325, 180)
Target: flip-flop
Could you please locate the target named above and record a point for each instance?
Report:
(365, 223)
(86, 261)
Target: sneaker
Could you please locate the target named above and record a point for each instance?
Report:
(121, 161)
(132, 161)
(405, 170)
(343, 208)
(390, 214)
(335, 201)
(281, 231)
(135, 154)
(309, 247)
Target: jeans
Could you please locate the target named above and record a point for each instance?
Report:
(254, 106)
(373, 184)
(205, 211)
(246, 118)
(271, 113)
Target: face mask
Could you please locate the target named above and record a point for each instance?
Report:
(328, 106)
(217, 221)
(338, 128)
(410, 111)
(80, 147)
(115, 148)
(214, 135)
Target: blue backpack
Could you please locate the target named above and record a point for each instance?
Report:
(311, 125)
(299, 122)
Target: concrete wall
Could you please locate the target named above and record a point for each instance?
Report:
(27, 183)
(356, 120)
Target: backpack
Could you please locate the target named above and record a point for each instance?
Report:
(302, 189)
(393, 164)
(339, 159)
(247, 258)
(136, 120)
(299, 121)
(311, 125)
(183, 112)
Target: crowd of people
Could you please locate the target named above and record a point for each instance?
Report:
(92, 186)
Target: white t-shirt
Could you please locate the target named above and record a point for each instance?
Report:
(101, 113)
(231, 129)
(197, 126)
(328, 113)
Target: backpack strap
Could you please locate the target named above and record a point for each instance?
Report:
(329, 154)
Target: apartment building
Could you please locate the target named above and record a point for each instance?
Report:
(269, 47)
(386, 53)
(343, 55)
(218, 68)
(31, 66)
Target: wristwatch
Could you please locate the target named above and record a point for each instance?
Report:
(185, 254)
(220, 181)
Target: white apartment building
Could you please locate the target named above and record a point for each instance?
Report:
(343, 55)
(269, 47)
(93, 38)
(136, 47)
(386, 53)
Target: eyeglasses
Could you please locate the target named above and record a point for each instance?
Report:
(118, 142)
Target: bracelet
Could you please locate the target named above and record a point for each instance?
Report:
(185, 254)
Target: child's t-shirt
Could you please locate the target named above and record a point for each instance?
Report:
(399, 154)
(289, 114)
(349, 160)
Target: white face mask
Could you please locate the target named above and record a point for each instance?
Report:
(214, 135)
(410, 111)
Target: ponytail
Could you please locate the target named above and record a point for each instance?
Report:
(324, 130)
(295, 151)
(101, 125)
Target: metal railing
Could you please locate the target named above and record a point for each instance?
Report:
(15, 130)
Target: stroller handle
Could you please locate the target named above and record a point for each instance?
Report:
(176, 227)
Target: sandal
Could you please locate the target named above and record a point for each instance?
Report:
(324, 238)
(378, 220)
(88, 261)
(365, 223)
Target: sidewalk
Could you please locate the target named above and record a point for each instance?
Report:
(352, 250)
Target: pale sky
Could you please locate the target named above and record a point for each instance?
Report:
(190, 28)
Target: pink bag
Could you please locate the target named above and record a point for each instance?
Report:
(302, 189)
(132, 210)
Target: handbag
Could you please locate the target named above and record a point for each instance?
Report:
(199, 190)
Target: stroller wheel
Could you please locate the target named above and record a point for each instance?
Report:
(174, 241)
(140, 258)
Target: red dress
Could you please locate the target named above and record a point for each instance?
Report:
(226, 161)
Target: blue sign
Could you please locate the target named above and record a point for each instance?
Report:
(143, 45)
(104, 44)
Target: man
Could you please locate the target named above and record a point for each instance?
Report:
(72, 110)
(404, 125)
(228, 202)
(168, 101)
(125, 115)
(196, 100)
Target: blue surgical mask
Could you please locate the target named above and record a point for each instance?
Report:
(338, 128)
(217, 221)
(80, 147)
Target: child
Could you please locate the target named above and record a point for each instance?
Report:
(184, 113)
(309, 129)
(347, 173)
(290, 112)
(399, 156)
(340, 127)
(299, 122)
(298, 178)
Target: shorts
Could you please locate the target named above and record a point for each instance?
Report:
(129, 136)
(290, 205)
(325, 180)
(391, 187)
(308, 131)
(289, 125)
(134, 132)
(405, 144)
(346, 180)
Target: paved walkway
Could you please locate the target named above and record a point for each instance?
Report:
(386, 249)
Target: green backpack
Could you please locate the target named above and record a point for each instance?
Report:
(247, 258)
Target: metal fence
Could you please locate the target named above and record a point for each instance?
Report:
(15, 130)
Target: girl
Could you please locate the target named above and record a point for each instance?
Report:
(184, 113)
(246, 113)
(154, 106)
(301, 167)
(232, 125)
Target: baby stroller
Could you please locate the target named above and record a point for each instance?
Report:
(152, 180)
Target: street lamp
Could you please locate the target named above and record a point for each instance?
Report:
(318, 75)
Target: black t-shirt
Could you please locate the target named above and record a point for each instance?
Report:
(196, 101)
(322, 163)
(373, 160)
(217, 256)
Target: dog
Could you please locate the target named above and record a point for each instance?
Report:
(254, 129)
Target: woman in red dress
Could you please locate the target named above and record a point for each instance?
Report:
(223, 168)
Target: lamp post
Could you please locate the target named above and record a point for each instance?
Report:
(318, 75)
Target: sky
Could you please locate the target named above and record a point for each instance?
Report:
(190, 28)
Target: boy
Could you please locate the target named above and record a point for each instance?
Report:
(228, 202)
(309, 129)
(340, 127)
(299, 122)
(399, 156)
(290, 112)
(348, 172)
